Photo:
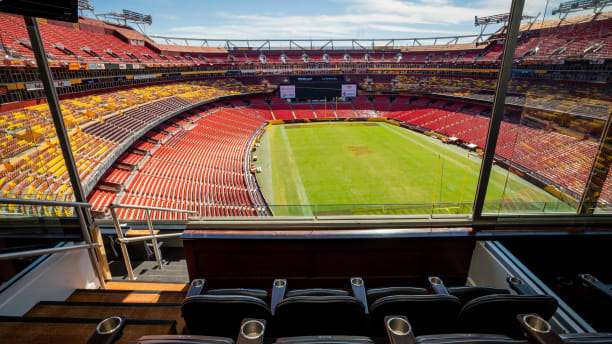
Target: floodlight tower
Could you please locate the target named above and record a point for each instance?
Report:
(568, 7)
(126, 16)
(85, 6)
(483, 22)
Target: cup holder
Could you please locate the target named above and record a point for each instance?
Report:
(515, 280)
(435, 280)
(536, 323)
(252, 329)
(109, 325)
(356, 281)
(588, 277)
(399, 326)
(279, 283)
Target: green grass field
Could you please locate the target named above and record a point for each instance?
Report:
(352, 168)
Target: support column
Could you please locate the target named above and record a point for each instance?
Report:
(599, 172)
(516, 12)
(46, 77)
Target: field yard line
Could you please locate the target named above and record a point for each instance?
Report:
(297, 181)
(504, 173)
(268, 177)
(448, 157)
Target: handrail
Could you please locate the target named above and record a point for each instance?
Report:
(44, 202)
(45, 251)
(150, 237)
(129, 206)
(89, 244)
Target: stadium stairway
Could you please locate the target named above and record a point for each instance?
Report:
(150, 309)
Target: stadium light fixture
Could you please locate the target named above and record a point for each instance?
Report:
(126, 16)
(483, 22)
(568, 7)
(85, 5)
(498, 18)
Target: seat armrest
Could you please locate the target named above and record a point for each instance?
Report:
(359, 291)
(279, 288)
(196, 287)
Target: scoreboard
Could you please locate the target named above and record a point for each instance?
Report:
(318, 87)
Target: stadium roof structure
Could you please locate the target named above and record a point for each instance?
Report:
(173, 48)
(444, 42)
(557, 22)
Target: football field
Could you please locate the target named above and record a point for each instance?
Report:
(352, 168)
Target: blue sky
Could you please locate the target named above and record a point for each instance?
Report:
(303, 19)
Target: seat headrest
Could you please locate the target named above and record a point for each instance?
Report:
(467, 338)
(587, 338)
(183, 339)
(319, 300)
(317, 292)
(258, 293)
(415, 299)
(467, 294)
(224, 299)
(543, 305)
(325, 340)
(377, 293)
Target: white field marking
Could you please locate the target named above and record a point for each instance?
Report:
(462, 165)
(297, 181)
(267, 164)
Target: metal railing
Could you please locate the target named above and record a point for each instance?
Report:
(89, 245)
(123, 241)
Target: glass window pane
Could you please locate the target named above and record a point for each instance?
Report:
(554, 115)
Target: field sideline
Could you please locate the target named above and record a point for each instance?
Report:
(377, 168)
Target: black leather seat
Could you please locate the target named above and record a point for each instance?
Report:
(497, 313)
(325, 340)
(376, 293)
(468, 338)
(426, 313)
(221, 315)
(318, 315)
(468, 293)
(587, 338)
(181, 339)
(317, 292)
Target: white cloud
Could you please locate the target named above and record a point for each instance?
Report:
(358, 19)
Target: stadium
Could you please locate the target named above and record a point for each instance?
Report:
(476, 160)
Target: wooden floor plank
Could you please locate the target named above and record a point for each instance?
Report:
(101, 310)
(62, 333)
(126, 296)
(116, 285)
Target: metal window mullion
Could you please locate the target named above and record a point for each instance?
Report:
(45, 251)
(156, 251)
(62, 135)
(499, 101)
(54, 107)
(93, 258)
(122, 245)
